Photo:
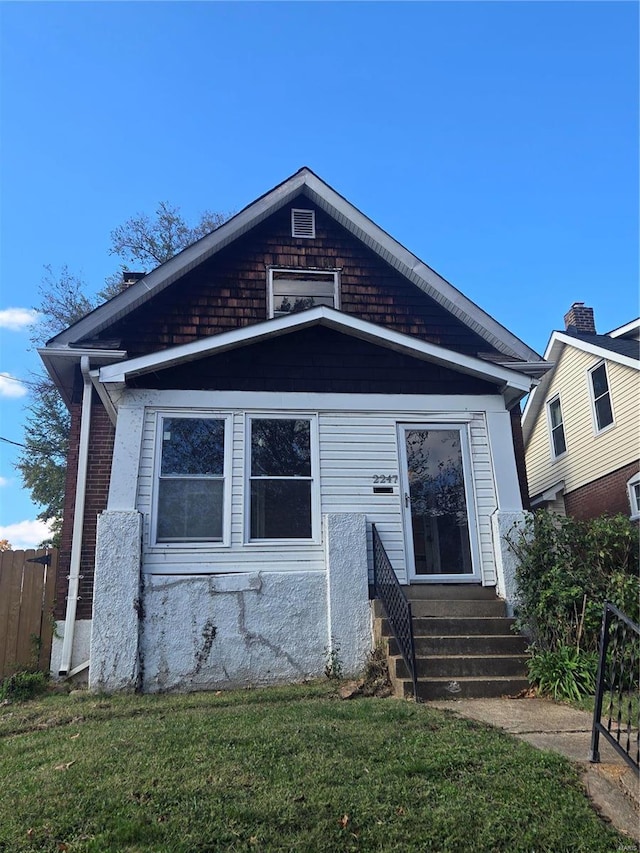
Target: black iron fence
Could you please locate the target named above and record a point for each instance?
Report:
(616, 715)
(395, 604)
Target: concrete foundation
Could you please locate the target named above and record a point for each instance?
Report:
(160, 632)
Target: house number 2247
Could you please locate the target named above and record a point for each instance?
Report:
(385, 478)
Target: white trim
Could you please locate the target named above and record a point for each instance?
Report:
(503, 462)
(593, 349)
(306, 182)
(592, 398)
(438, 405)
(470, 497)
(321, 315)
(60, 363)
(555, 456)
(634, 505)
(549, 495)
(622, 331)
(125, 461)
(78, 517)
(314, 479)
(188, 544)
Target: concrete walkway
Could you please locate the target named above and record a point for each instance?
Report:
(612, 786)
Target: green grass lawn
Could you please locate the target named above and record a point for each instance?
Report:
(286, 769)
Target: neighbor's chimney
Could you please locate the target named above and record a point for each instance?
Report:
(579, 319)
(129, 278)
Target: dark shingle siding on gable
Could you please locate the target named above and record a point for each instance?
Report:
(230, 290)
(316, 360)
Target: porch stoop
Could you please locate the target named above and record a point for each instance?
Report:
(464, 644)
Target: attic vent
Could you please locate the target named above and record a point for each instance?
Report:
(303, 223)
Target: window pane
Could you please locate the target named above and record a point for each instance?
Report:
(604, 415)
(599, 380)
(439, 521)
(281, 509)
(293, 304)
(280, 448)
(192, 446)
(559, 444)
(555, 412)
(190, 509)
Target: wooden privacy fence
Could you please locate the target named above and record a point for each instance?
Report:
(26, 609)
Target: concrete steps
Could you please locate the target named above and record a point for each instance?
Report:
(464, 644)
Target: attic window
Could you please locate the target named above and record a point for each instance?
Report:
(303, 223)
(295, 290)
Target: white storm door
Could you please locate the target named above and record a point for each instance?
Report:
(440, 528)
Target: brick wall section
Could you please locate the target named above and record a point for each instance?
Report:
(101, 438)
(230, 290)
(605, 495)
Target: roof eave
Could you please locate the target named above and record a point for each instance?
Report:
(517, 382)
(60, 363)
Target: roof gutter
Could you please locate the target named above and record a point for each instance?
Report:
(78, 519)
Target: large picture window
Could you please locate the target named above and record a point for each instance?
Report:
(191, 480)
(601, 398)
(292, 291)
(280, 478)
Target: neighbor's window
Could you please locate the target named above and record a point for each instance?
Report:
(291, 291)
(556, 427)
(633, 490)
(601, 397)
(191, 480)
(280, 478)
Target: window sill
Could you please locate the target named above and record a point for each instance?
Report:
(599, 432)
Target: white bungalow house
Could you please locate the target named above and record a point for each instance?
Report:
(243, 414)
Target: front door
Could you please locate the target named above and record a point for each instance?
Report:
(438, 506)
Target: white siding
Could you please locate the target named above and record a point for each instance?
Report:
(589, 455)
(353, 447)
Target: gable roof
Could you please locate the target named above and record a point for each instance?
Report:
(307, 183)
(616, 349)
(513, 383)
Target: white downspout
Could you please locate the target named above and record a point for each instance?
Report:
(78, 519)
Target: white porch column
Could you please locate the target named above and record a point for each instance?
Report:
(114, 661)
(348, 604)
(509, 516)
(505, 524)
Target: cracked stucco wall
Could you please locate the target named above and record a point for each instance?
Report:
(206, 631)
(505, 526)
(232, 630)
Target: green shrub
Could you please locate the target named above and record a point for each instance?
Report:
(566, 673)
(567, 570)
(22, 685)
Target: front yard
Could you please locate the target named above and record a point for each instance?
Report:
(283, 769)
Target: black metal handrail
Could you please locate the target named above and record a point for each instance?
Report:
(395, 604)
(618, 678)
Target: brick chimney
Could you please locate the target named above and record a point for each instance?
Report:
(579, 320)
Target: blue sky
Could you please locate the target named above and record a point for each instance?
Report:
(497, 141)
